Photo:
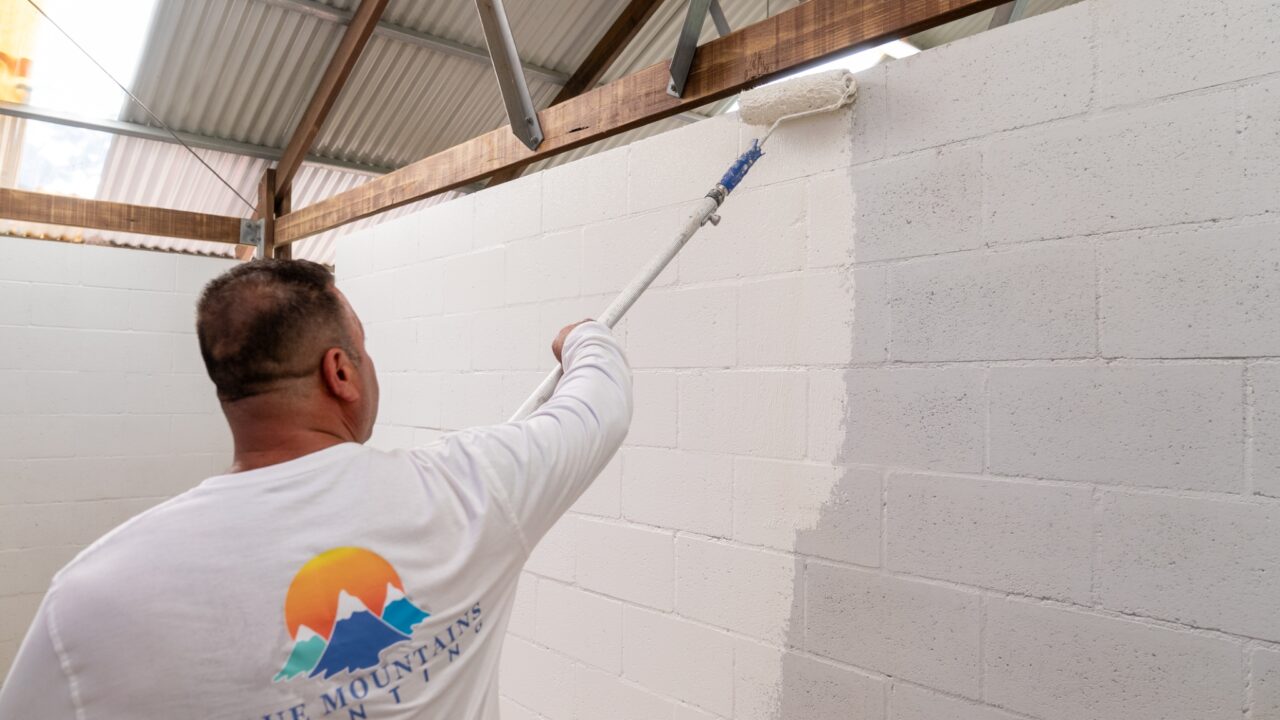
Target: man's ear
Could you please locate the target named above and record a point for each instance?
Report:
(339, 375)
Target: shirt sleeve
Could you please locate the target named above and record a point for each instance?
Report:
(37, 686)
(540, 465)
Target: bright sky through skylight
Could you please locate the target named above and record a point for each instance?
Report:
(67, 160)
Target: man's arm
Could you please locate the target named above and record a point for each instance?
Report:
(542, 464)
(37, 687)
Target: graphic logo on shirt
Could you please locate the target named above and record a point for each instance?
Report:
(344, 607)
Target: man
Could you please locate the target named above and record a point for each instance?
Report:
(318, 578)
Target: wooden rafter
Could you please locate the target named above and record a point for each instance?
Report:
(101, 215)
(801, 37)
(335, 76)
(620, 34)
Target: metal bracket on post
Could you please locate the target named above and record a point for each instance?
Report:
(687, 44)
(1007, 13)
(251, 234)
(506, 65)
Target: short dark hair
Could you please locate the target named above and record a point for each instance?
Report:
(267, 321)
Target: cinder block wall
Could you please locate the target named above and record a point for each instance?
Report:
(969, 409)
(105, 408)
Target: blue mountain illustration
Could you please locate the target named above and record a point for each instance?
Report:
(400, 613)
(357, 639)
(308, 646)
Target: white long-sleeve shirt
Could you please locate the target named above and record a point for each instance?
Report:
(347, 583)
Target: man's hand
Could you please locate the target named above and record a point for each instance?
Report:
(558, 344)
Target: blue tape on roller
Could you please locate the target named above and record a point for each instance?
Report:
(739, 168)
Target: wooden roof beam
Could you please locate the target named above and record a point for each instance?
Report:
(801, 37)
(119, 217)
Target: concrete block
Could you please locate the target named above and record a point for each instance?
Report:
(1206, 563)
(1148, 48)
(474, 281)
(185, 351)
(1029, 302)
(871, 315)
(1259, 128)
(924, 418)
(16, 613)
(683, 328)
(627, 562)
(774, 401)
(390, 437)
(373, 297)
(830, 212)
(411, 399)
(583, 626)
(555, 555)
(508, 211)
(800, 319)
(1264, 665)
(1023, 538)
(655, 418)
(127, 269)
(614, 251)
(509, 709)
(117, 351)
(828, 405)
(447, 228)
(1113, 172)
(604, 497)
(918, 631)
(678, 489)
(193, 272)
(1206, 292)
(516, 387)
(74, 523)
(537, 678)
(507, 338)
(950, 93)
(15, 302)
(680, 165)
(748, 590)
(33, 348)
(678, 658)
(803, 147)
(1174, 426)
(115, 435)
(164, 393)
(545, 267)
(830, 512)
(391, 344)
(29, 571)
(1264, 438)
(59, 393)
(471, 399)
(443, 343)
(353, 256)
(1061, 664)
(602, 695)
(925, 203)
(771, 684)
(417, 290)
(908, 702)
(160, 312)
(762, 233)
(36, 261)
(395, 242)
(584, 191)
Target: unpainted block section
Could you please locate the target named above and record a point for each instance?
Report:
(1264, 440)
(1173, 426)
(951, 93)
(1032, 302)
(581, 625)
(927, 418)
(627, 562)
(923, 632)
(909, 702)
(678, 489)
(1204, 563)
(771, 684)
(1264, 692)
(1118, 171)
(822, 510)
(1061, 664)
(925, 203)
(802, 319)
(747, 590)
(1023, 538)
(774, 401)
(1260, 127)
(678, 658)
(1201, 292)
(872, 316)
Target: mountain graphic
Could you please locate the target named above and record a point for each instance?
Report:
(307, 649)
(357, 639)
(400, 613)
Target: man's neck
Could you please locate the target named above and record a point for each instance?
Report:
(258, 455)
(269, 430)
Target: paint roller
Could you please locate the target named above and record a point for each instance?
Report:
(769, 105)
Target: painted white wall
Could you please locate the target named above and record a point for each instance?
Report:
(970, 408)
(105, 408)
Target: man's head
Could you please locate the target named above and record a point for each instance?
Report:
(278, 333)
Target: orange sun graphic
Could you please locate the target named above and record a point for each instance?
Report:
(313, 595)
